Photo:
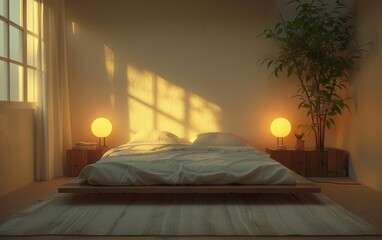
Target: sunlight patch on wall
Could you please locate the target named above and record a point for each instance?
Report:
(166, 123)
(140, 85)
(155, 103)
(204, 115)
(140, 101)
(141, 116)
(109, 63)
(74, 28)
(170, 99)
(110, 71)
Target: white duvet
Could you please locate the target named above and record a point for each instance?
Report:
(178, 164)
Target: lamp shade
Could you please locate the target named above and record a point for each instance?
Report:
(101, 127)
(280, 127)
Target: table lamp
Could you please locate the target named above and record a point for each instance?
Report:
(101, 128)
(280, 128)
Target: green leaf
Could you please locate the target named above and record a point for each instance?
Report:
(269, 64)
(290, 71)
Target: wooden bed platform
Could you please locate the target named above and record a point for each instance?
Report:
(302, 186)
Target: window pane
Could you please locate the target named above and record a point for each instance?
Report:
(3, 39)
(15, 44)
(3, 81)
(16, 82)
(3, 8)
(31, 88)
(16, 11)
(32, 16)
(41, 20)
(32, 50)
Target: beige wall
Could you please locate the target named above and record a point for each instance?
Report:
(361, 132)
(17, 138)
(207, 49)
(205, 53)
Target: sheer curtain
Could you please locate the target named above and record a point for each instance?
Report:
(53, 131)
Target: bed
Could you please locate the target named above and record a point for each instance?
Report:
(160, 162)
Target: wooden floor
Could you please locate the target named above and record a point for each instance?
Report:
(361, 200)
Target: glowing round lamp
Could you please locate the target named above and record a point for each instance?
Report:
(280, 128)
(101, 128)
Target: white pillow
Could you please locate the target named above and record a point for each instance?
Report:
(155, 137)
(218, 139)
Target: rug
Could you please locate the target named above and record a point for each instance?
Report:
(185, 215)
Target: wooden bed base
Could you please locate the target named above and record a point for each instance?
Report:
(302, 185)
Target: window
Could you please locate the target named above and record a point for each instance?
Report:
(20, 49)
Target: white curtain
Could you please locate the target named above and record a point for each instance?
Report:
(53, 130)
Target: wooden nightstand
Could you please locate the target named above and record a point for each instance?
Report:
(311, 163)
(77, 159)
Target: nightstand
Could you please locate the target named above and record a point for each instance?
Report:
(311, 163)
(77, 159)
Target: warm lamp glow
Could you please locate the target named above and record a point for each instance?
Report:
(101, 128)
(280, 127)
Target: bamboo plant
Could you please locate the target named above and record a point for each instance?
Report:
(318, 48)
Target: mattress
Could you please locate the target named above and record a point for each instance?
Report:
(184, 164)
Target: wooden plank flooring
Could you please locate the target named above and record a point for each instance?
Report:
(361, 200)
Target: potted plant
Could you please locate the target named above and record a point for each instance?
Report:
(318, 48)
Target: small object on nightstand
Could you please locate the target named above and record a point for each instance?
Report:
(85, 145)
(299, 142)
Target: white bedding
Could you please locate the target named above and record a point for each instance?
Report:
(185, 164)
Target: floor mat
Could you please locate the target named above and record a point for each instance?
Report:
(186, 215)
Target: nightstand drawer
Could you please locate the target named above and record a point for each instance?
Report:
(77, 159)
(283, 157)
(310, 163)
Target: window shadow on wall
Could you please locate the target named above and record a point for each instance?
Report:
(155, 103)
